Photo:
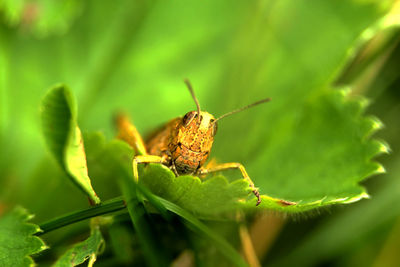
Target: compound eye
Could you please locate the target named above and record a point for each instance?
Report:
(214, 129)
(188, 118)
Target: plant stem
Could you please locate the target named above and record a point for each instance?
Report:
(109, 206)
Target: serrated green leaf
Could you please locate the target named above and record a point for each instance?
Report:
(346, 231)
(331, 131)
(63, 136)
(204, 198)
(17, 240)
(83, 251)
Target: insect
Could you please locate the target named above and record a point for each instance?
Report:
(183, 144)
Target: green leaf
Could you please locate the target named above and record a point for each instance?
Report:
(63, 136)
(82, 251)
(17, 240)
(346, 231)
(331, 129)
(212, 196)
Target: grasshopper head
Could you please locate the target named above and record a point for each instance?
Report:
(193, 139)
(205, 123)
(194, 136)
(197, 130)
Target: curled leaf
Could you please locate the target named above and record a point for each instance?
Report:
(64, 138)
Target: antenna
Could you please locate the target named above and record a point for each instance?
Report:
(243, 108)
(194, 97)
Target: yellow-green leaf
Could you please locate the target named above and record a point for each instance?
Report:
(64, 138)
(82, 251)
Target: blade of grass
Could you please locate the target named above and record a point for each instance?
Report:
(154, 255)
(221, 244)
(106, 207)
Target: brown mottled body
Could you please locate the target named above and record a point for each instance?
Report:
(157, 142)
(185, 142)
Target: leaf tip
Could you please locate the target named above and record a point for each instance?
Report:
(384, 148)
(363, 195)
(380, 169)
(30, 217)
(373, 125)
(377, 124)
(44, 247)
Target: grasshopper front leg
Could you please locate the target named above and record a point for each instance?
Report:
(233, 165)
(144, 159)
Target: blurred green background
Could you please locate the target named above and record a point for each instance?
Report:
(133, 56)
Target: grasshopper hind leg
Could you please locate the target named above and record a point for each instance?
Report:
(233, 165)
(128, 133)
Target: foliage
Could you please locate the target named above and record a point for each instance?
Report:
(17, 238)
(312, 146)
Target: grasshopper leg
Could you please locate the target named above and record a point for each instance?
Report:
(233, 165)
(144, 159)
(128, 133)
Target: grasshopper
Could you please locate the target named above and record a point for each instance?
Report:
(183, 144)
